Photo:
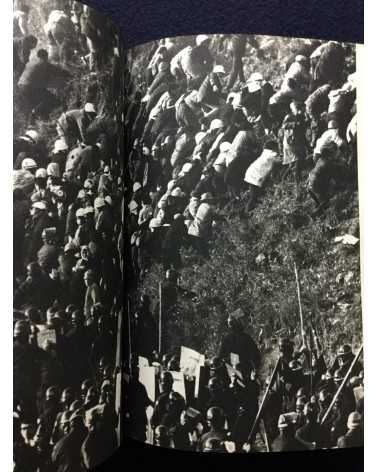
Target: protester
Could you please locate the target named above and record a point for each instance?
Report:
(67, 275)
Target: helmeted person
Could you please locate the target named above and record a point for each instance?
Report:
(214, 445)
(210, 93)
(219, 395)
(200, 228)
(24, 178)
(39, 220)
(22, 48)
(182, 433)
(161, 436)
(99, 443)
(66, 454)
(254, 99)
(312, 434)
(103, 346)
(285, 385)
(61, 35)
(49, 252)
(236, 46)
(286, 441)
(294, 127)
(343, 361)
(215, 419)
(26, 365)
(327, 64)
(193, 62)
(136, 403)
(35, 80)
(92, 294)
(258, 172)
(326, 173)
(161, 403)
(78, 341)
(354, 437)
(238, 342)
(297, 79)
(34, 290)
(72, 125)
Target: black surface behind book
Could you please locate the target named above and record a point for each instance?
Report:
(186, 234)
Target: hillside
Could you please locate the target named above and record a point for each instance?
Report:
(251, 263)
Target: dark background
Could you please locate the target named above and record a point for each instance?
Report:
(145, 20)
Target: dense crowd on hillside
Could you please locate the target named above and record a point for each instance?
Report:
(67, 238)
(203, 141)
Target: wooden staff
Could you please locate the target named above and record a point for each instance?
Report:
(160, 317)
(299, 303)
(340, 389)
(259, 413)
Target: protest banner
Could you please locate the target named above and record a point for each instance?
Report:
(147, 378)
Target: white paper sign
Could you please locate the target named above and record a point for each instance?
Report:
(147, 378)
(178, 383)
(190, 360)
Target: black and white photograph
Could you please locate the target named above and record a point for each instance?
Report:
(242, 245)
(67, 236)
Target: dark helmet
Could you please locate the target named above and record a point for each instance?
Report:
(51, 393)
(162, 435)
(92, 393)
(171, 275)
(213, 445)
(295, 365)
(174, 364)
(300, 403)
(338, 376)
(67, 395)
(215, 384)
(215, 417)
(166, 377)
(216, 363)
(33, 314)
(175, 397)
(21, 329)
(75, 405)
(301, 392)
(285, 345)
(310, 411)
(33, 269)
(344, 350)
(85, 385)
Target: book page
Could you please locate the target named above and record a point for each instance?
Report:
(243, 243)
(67, 234)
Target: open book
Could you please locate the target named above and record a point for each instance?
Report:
(186, 242)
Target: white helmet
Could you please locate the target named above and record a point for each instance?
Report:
(60, 145)
(32, 134)
(89, 108)
(201, 38)
(41, 173)
(216, 124)
(28, 163)
(219, 69)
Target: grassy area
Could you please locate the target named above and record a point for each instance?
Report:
(251, 263)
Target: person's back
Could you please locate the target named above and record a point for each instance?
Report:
(354, 438)
(66, 455)
(287, 443)
(36, 74)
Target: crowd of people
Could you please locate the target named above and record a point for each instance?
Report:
(203, 141)
(67, 238)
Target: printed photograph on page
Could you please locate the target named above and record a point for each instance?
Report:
(67, 236)
(244, 327)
